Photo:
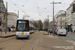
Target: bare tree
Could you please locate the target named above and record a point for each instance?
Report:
(40, 24)
(46, 23)
(35, 24)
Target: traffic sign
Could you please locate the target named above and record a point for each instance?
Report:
(55, 23)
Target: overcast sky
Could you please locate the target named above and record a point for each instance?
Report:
(36, 9)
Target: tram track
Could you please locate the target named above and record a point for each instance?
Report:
(35, 43)
(32, 42)
(28, 41)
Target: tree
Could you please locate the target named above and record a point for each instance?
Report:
(35, 24)
(46, 23)
(40, 24)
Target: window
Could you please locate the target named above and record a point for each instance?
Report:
(22, 26)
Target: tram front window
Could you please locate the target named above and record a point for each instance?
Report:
(22, 26)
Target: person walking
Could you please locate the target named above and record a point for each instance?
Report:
(9, 30)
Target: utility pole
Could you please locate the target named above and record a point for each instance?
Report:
(53, 18)
(65, 23)
(48, 24)
(53, 15)
(18, 13)
(6, 16)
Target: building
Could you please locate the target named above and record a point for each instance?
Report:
(2, 16)
(57, 14)
(70, 17)
(2, 7)
(61, 20)
(12, 18)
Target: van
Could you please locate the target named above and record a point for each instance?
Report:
(62, 31)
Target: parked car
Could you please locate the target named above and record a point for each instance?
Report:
(62, 31)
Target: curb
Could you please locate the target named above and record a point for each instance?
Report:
(7, 36)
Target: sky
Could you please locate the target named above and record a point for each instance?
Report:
(36, 9)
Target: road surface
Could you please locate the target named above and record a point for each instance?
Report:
(39, 40)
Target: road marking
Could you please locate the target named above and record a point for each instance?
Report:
(71, 42)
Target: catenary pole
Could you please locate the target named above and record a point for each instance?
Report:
(6, 16)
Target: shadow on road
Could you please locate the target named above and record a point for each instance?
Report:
(1, 48)
(22, 39)
(61, 35)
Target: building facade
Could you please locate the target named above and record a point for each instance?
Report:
(61, 20)
(2, 16)
(12, 18)
(70, 17)
(57, 14)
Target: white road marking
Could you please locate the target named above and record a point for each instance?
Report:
(71, 42)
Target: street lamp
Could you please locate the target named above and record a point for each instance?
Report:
(53, 14)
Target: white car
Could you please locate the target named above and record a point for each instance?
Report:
(61, 31)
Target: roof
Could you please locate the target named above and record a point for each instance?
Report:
(63, 14)
(70, 5)
(12, 13)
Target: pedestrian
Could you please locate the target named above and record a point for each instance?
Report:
(50, 31)
(9, 30)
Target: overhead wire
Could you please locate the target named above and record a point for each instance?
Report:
(37, 7)
(24, 5)
(26, 2)
(17, 6)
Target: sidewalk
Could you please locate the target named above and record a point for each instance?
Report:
(8, 34)
(71, 32)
